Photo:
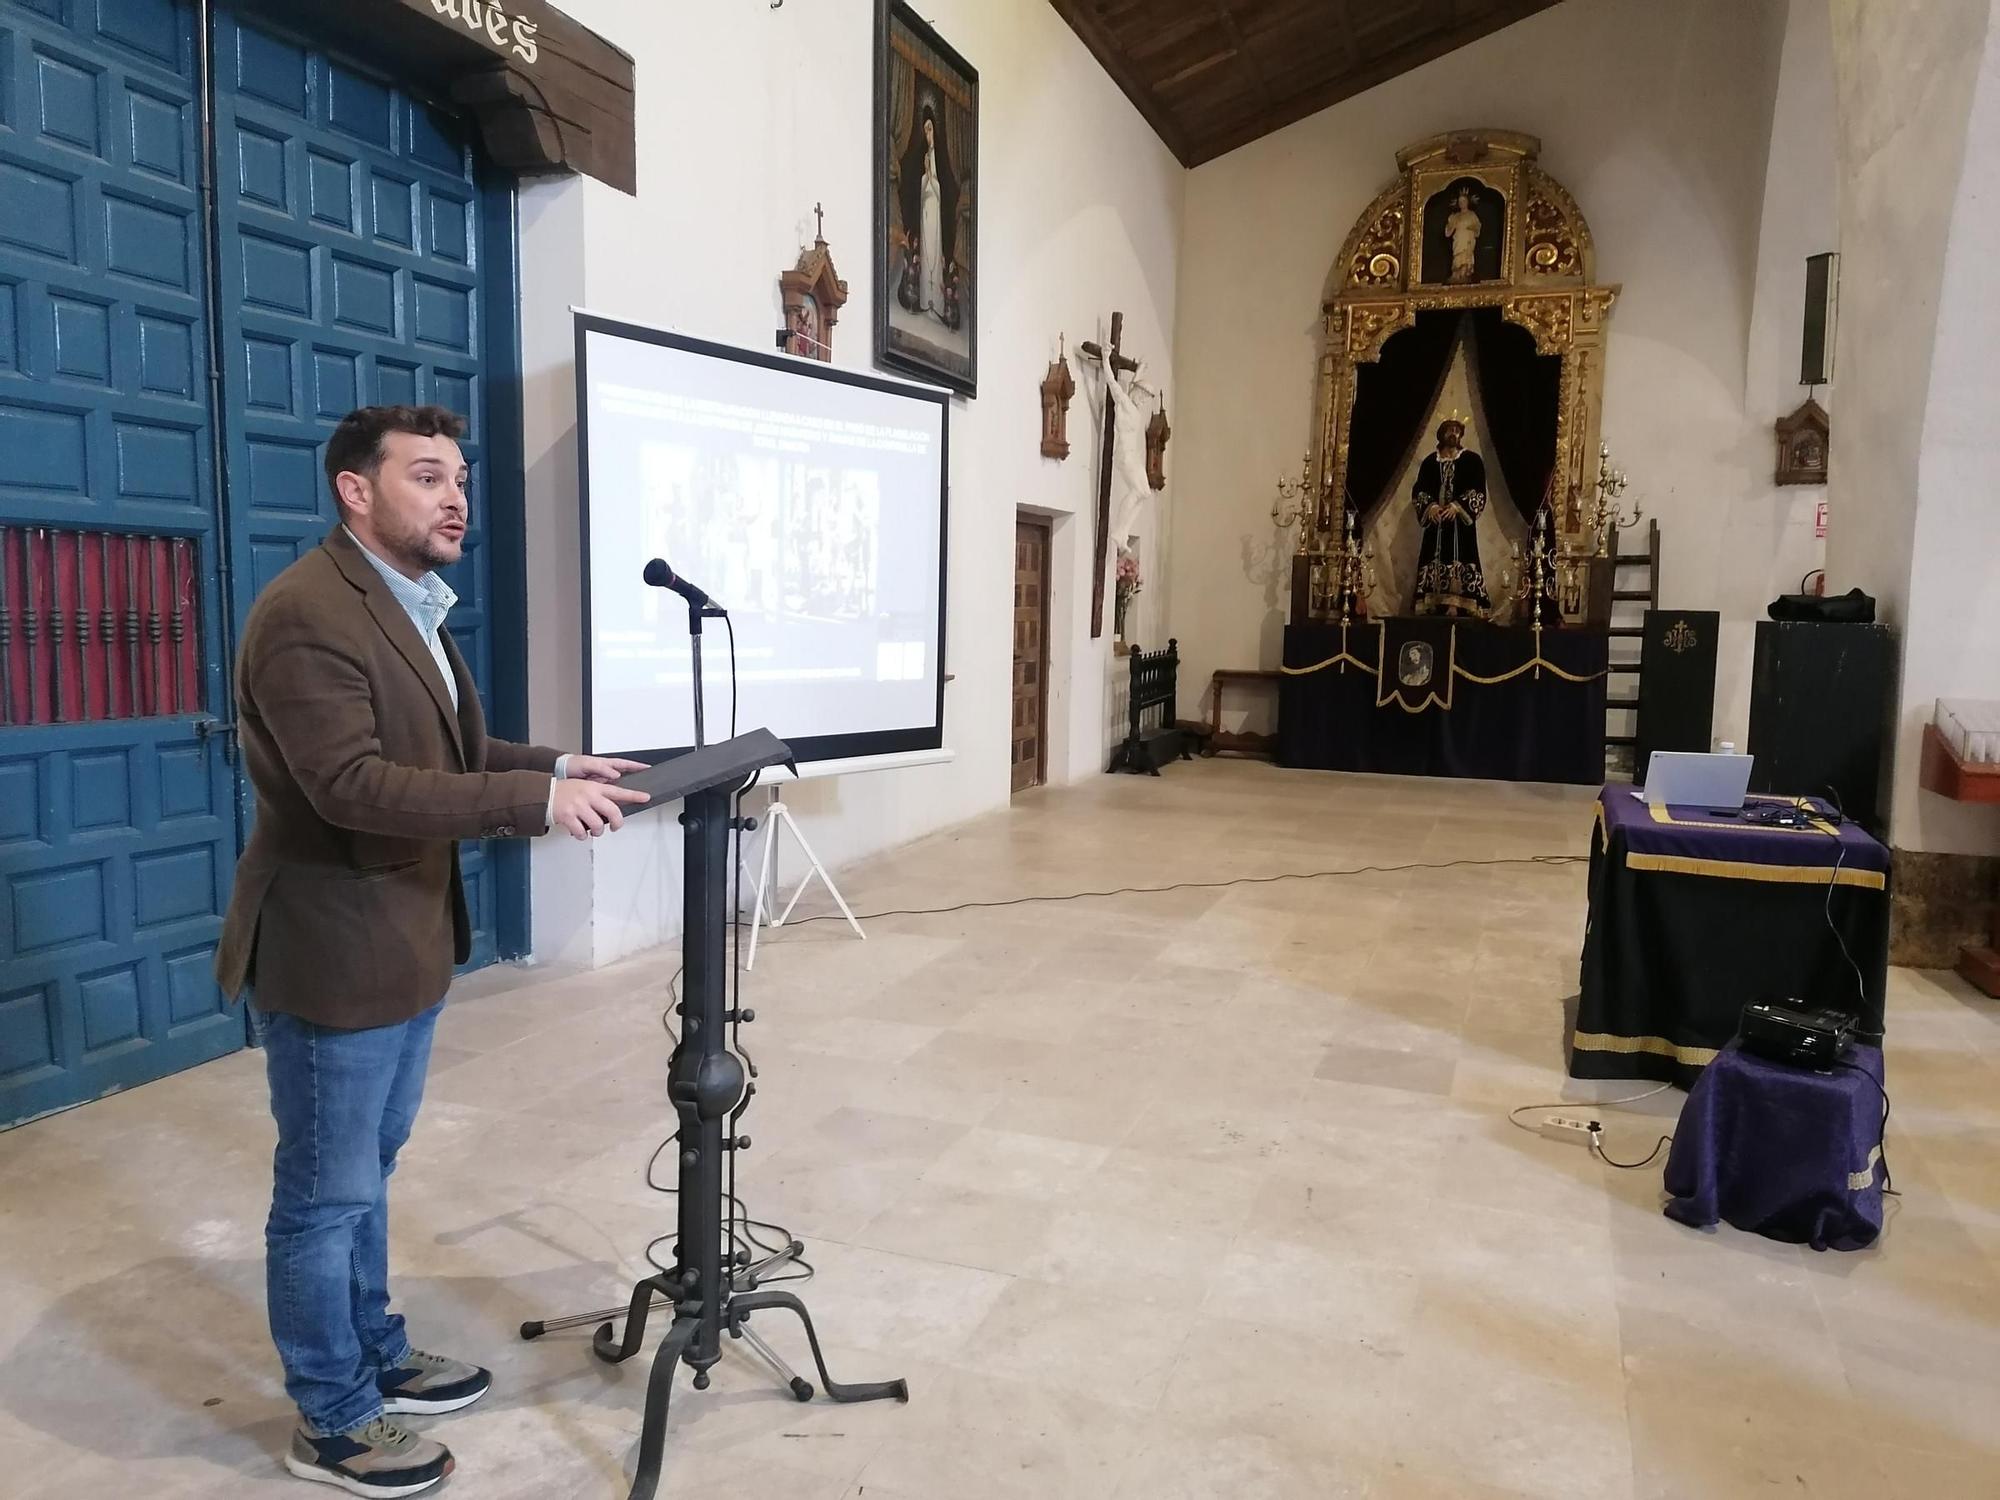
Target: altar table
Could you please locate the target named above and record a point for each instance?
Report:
(1694, 915)
(1439, 697)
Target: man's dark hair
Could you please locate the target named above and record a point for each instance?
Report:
(356, 444)
(1454, 424)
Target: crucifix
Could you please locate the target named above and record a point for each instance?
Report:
(1118, 361)
(819, 224)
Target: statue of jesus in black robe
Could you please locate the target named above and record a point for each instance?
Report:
(1450, 493)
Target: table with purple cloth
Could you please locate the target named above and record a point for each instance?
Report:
(1693, 915)
(1781, 1151)
(1433, 696)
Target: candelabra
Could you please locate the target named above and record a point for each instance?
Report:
(1354, 569)
(1544, 574)
(1602, 517)
(1293, 507)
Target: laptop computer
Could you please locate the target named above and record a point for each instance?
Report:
(1696, 778)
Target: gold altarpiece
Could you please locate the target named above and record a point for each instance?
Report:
(1540, 275)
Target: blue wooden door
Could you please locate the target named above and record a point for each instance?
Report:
(350, 259)
(361, 257)
(117, 830)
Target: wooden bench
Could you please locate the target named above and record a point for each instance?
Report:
(1155, 736)
(1219, 741)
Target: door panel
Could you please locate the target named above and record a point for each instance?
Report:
(1028, 738)
(350, 257)
(117, 830)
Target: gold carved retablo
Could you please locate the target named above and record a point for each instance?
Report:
(1470, 221)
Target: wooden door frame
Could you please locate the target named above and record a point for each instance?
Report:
(1046, 526)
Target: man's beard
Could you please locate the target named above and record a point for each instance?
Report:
(425, 550)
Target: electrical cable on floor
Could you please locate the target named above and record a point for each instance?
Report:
(1597, 1146)
(745, 1237)
(1514, 1114)
(1199, 885)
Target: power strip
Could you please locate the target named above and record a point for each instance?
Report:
(1568, 1128)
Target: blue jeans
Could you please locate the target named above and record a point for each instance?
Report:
(344, 1102)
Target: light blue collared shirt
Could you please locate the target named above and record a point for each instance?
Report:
(427, 601)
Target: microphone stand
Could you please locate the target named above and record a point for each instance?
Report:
(695, 612)
(711, 1292)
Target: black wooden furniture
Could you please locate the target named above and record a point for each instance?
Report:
(1154, 737)
(1694, 915)
(1822, 695)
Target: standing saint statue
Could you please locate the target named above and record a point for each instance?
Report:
(1461, 227)
(1449, 495)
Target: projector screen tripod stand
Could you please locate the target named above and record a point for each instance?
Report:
(707, 1087)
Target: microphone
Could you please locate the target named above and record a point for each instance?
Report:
(660, 576)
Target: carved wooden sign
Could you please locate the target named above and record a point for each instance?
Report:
(550, 95)
(510, 35)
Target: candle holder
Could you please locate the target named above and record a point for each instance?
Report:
(1541, 573)
(1294, 502)
(1354, 569)
(1602, 517)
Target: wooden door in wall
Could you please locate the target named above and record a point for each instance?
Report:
(1031, 653)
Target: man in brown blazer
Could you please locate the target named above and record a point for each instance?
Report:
(363, 736)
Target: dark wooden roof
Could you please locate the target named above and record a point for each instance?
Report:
(1212, 75)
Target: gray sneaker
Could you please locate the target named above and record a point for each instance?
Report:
(427, 1384)
(376, 1458)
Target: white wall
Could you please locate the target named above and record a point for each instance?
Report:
(1660, 120)
(1769, 540)
(1912, 514)
(747, 116)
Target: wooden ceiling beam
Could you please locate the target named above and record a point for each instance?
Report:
(1083, 21)
(1206, 100)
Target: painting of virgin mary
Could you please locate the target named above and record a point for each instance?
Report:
(927, 111)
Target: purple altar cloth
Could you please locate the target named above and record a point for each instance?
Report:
(1695, 841)
(1784, 1152)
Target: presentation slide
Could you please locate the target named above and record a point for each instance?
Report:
(807, 501)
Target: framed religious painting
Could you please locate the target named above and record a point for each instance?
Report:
(926, 203)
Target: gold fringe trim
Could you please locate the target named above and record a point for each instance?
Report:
(1537, 661)
(1455, 670)
(1331, 661)
(1659, 1046)
(1737, 869)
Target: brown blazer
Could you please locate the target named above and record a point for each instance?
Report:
(348, 909)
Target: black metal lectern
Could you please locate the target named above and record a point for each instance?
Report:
(705, 1082)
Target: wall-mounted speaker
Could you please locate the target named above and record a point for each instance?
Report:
(1822, 302)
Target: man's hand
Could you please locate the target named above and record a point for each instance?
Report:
(599, 767)
(1432, 514)
(585, 808)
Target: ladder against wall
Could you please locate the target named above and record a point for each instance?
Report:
(1635, 589)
